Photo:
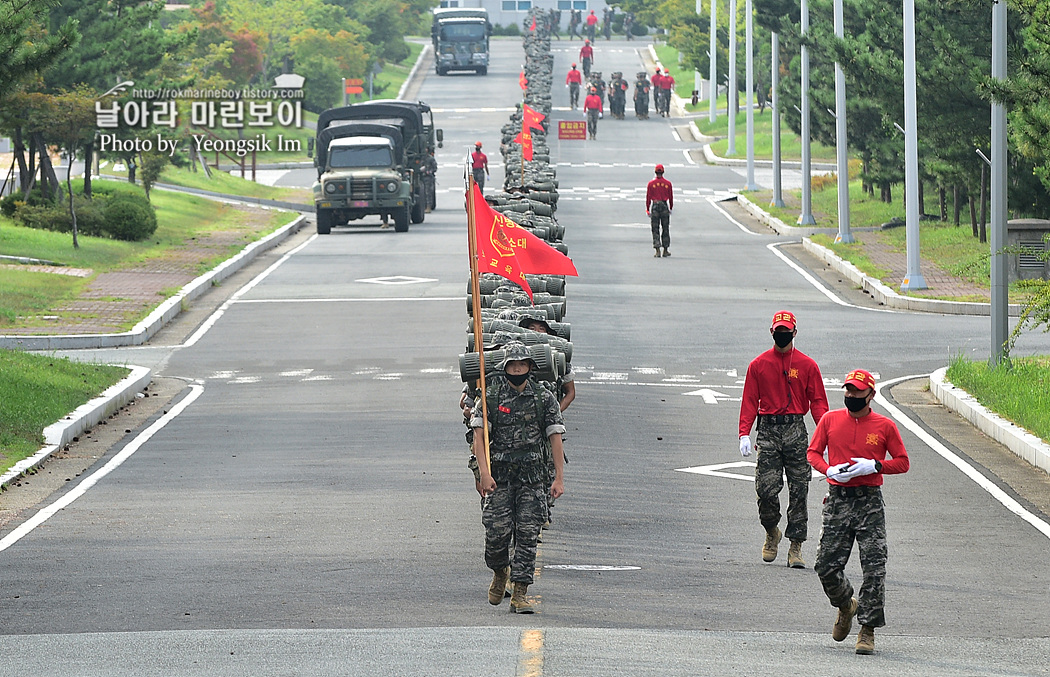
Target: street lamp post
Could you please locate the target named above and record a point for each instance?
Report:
(997, 232)
(749, 83)
(778, 197)
(806, 217)
(731, 94)
(913, 278)
(713, 71)
(844, 235)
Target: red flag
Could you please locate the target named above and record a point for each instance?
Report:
(523, 81)
(531, 119)
(507, 249)
(533, 26)
(524, 137)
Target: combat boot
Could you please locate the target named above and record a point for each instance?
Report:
(795, 560)
(845, 621)
(499, 584)
(657, 254)
(866, 640)
(769, 549)
(519, 604)
(667, 252)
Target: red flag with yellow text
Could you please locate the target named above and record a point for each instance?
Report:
(524, 137)
(522, 80)
(531, 119)
(507, 249)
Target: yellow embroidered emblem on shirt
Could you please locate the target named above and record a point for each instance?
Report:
(872, 438)
(792, 373)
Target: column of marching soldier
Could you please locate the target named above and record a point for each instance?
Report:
(529, 380)
(528, 359)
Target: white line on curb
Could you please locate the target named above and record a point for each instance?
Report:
(115, 462)
(998, 494)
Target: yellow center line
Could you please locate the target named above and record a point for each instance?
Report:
(531, 662)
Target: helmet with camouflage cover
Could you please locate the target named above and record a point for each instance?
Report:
(516, 351)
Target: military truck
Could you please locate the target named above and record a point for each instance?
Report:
(461, 39)
(370, 158)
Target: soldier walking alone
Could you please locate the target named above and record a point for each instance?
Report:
(573, 80)
(479, 166)
(659, 201)
(526, 426)
(857, 441)
(781, 385)
(592, 107)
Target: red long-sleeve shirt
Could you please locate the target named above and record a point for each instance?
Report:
(659, 189)
(845, 437)
(782, 383)
(479, 160)
(593, 101)
(666, 82)
(574, 76)
(586, 52)
(656, 79)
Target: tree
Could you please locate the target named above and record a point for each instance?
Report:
(25, 47)
(69, 118)
(151, 165)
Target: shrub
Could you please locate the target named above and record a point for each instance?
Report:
(128, 219)
(44, 217)
(9, 203)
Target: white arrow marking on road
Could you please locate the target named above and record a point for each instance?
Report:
(396, 279)
(710, 396)
(716, 470)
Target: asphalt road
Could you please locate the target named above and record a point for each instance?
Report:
(306, 509)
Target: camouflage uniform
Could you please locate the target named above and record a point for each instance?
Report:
(520, 426)
(782, 450)
(854, 513)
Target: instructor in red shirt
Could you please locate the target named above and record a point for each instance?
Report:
(857, 441)
(479, 166)
(781, 386)
(659, 201)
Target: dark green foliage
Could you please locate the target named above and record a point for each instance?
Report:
(114, 212)
(129, 219)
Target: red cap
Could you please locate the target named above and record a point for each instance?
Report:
(477, 145)
(784, 318)
(666, 71)
(860, 379)
(574, 64)
(659, 169)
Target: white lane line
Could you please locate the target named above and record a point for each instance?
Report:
(998, 494)
(674, 133)
(714, 203)
(773, 247)
(687, 157)
(210, 322)
(115, 462)
(356, 300)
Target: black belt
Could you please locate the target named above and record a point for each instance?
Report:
(780, 419)
(852, 492)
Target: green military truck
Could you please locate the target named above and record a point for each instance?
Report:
(370, 159)
(461, 39)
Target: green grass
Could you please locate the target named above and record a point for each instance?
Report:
(394, 75)
(224, 182)
(1020, 393)
(180, 218)
(38, 390)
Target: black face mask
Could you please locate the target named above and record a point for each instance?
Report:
(855, 404)
(517, 379)
(783, 338)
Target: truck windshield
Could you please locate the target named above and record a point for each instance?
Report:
(463, 32)
(360, 156)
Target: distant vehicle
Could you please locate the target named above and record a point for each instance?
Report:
(461, 39)
(370, 159)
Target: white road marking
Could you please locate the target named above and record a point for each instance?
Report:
(998, 494)
(710, 396)
(591, 567)
(688, 158)
(355, 300)
(772, 246)
(210, 322)
(296, 372)
(717, 470)
(43, 515)
(396, 279)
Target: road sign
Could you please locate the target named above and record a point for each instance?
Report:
(355, 81)
(355, 89)
(572, 129)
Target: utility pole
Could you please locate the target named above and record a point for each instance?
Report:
(778, 197)
(749, 83)
(806, 217)
(844, 236)
(997, 221)
(731, 94)
(913, 279)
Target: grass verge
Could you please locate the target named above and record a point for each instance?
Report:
(38, 390)
(1020, 393)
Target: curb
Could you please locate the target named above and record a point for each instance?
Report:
(1015, 438)
(415, 68)
(879, 292)
(84, 417)
(165, 312)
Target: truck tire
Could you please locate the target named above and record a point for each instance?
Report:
(441, 71)
(419, 207)
(324, 221)
(483, 70)
(401, 217)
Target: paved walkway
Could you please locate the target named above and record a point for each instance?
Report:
(941, 284)
(115, 301)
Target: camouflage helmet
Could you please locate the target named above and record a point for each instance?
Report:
(500, 339)
(515, 351)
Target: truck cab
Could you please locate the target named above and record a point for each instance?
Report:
(461, 40)
(363, 175)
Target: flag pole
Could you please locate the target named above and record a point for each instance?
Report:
(475, 293)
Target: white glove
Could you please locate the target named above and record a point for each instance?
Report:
(601, 116)
(745, 446)
(861, 466)
(835, 472)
